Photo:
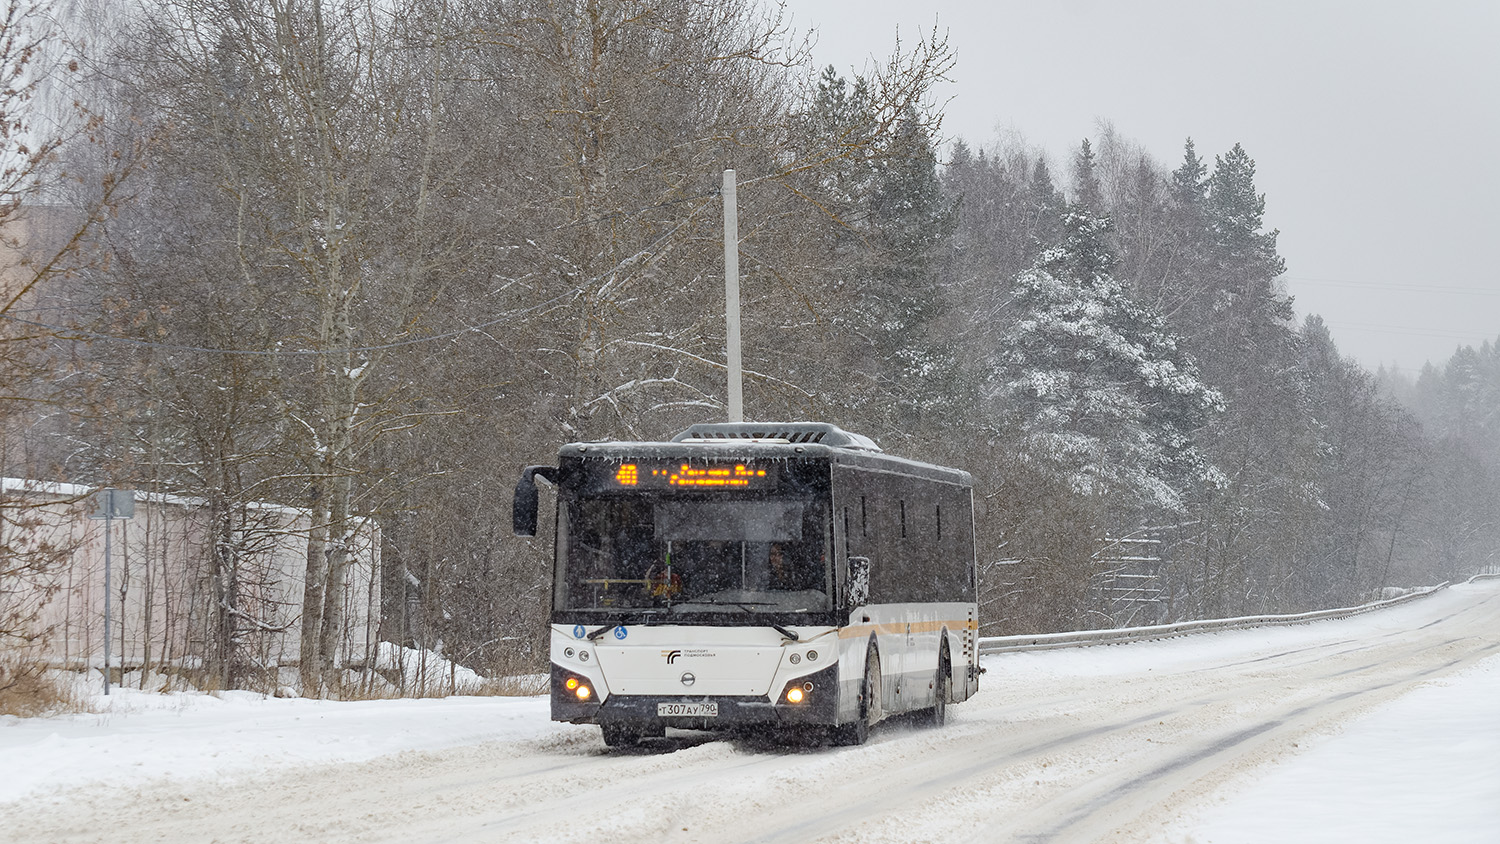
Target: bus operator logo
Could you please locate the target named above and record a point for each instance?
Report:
(671, 656)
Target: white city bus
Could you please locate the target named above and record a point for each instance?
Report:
(776, 575)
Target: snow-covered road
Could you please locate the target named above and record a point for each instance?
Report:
(1143, 742)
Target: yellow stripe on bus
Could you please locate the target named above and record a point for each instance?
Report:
(902, 628)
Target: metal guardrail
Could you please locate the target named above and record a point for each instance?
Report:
(1118, 636)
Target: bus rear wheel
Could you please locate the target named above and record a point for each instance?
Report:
(942, 690)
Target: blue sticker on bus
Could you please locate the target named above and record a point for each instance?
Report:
(578, 631)
(620, 632)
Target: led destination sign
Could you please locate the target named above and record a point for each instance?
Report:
(683, 475)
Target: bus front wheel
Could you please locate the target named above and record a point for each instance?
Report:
(855, 732)
(618, 735)
(629, 735)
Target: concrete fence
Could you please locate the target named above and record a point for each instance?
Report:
(174, 579)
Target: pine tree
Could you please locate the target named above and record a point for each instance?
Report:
(1249, 349)
(1088, 193)
(1045, 207)
(910, 223)
(1235, 212)
(842, 125)
(1146, 236)
(1189, 187)
(1187, 289)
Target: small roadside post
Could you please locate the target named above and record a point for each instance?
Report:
(110, 504)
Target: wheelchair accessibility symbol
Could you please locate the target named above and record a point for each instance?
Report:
(620, 632)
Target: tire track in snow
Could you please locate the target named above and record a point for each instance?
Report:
(1234, 745)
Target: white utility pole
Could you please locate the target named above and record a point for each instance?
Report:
(732, 297)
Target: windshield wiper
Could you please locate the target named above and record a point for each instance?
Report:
(790, 634)
(748, 606)
(648, 616)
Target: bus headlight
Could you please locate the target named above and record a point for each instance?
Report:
(798, 693)
(572, 687)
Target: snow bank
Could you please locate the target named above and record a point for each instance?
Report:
(139, 735)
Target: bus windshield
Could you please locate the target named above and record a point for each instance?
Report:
(694, 555)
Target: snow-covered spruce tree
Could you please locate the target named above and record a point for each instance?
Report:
(1094, 386)
(1094, 411)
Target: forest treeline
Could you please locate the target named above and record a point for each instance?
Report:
(368, 258)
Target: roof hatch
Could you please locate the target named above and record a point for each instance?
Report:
(820, 433)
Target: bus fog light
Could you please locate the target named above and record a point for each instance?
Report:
(794, 695)
(812, 656)
(794, 659)
(583, 692)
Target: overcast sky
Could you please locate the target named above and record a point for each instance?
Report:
(1374, 127)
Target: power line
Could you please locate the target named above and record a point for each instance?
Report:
(1400, 288)
(1403, 330)
(82, 335)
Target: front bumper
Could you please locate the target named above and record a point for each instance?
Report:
(818, 707)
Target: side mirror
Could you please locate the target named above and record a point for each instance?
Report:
(859, 581)
(523, 508)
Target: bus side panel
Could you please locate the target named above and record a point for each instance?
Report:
(860, 529)
(918, 534)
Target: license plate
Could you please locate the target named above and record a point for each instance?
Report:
(707, 709)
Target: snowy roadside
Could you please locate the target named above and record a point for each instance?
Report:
(1425, 767)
